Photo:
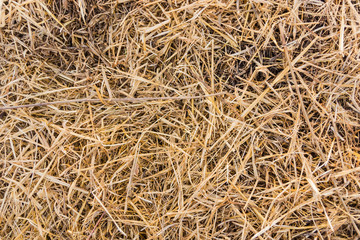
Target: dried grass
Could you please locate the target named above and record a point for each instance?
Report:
(179, 119)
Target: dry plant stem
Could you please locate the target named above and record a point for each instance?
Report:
(111, 100)
(91, 233)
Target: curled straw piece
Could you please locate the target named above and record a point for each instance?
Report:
(108, 100)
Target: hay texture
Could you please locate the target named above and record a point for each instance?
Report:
(179, 119)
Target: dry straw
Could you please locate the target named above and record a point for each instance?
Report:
(179, 119)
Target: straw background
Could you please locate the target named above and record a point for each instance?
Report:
(179, 119)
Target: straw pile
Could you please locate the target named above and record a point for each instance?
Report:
(179, 119)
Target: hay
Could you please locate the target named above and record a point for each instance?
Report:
(177, 119)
